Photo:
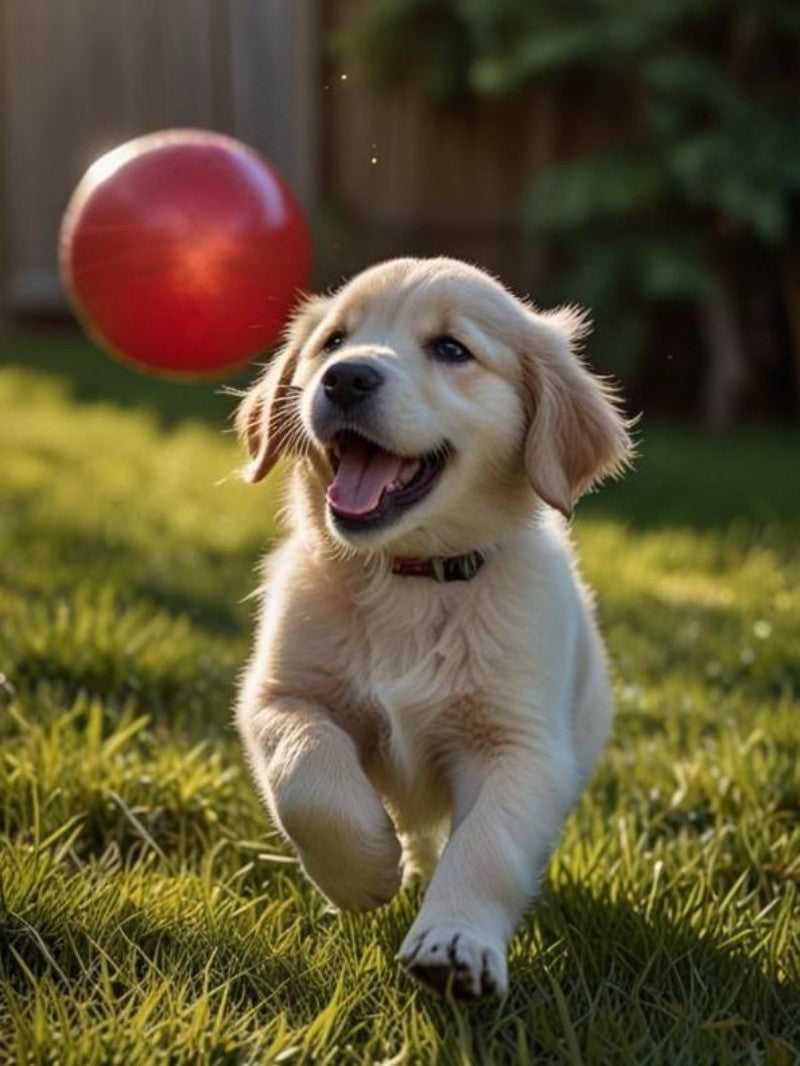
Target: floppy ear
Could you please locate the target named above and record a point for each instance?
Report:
(265, 416)
(577, 434)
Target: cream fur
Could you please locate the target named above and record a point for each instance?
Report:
(377, 707)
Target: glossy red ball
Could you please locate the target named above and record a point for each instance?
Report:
(183, 252)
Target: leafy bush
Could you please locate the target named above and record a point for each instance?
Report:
(690, 206)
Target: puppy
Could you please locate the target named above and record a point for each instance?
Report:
(426, 654)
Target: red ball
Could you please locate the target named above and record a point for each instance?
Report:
(183, 252)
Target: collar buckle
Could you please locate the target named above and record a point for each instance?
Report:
(443, 570)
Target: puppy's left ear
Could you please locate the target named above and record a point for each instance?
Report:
(264, 418)
(577, 434)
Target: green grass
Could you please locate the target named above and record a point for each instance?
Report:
(147, 911)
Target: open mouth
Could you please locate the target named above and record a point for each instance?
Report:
(371, 486)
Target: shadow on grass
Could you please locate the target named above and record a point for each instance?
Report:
(685, 478)
(136, 947)
(611, 985)
(184, 579)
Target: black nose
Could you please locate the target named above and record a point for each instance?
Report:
(347, 383)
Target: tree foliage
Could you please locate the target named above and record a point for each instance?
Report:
(703, 172)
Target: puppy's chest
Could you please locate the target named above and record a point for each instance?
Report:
(403, 657)
(419, 669)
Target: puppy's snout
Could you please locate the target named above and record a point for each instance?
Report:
(346, 384)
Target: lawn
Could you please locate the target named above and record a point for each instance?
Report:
(149, 914)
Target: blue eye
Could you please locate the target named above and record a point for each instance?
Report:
(449, 350)
(334, 341)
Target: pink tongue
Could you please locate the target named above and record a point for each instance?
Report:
(364, 472)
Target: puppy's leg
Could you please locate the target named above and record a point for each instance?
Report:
(508, 810)
(308, 771)
(420, 851)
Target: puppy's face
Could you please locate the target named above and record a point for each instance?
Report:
(413, 392)
(414, 400)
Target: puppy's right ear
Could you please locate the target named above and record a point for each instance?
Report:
(268, 413)
(577, 433)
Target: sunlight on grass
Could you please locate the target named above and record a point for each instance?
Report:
(147, 911)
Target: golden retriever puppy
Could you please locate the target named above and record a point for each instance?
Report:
(427, 655)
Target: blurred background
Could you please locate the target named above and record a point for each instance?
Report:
(641, 159)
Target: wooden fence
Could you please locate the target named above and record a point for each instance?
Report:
(382, 174)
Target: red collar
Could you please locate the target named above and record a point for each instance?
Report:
(455, 568)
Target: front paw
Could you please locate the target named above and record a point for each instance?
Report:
(356, 865)
(452, 957)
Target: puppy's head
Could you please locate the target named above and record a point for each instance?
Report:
(426, 402)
